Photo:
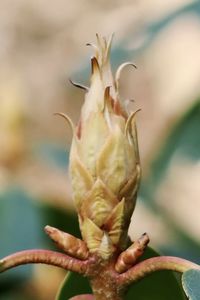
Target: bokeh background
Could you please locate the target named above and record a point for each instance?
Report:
(42, 44)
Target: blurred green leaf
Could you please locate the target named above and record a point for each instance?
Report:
(52, 154)
(184, 141)
(20, 228)
(191, 284)
(150, 31)
(73, 284)
(161, 285)
(16, 294)
(63, 219)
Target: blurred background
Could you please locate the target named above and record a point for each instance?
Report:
(42, 45)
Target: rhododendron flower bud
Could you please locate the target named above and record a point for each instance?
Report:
(104, 160)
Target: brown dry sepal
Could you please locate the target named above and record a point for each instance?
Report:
(129, 257)
(68, 243)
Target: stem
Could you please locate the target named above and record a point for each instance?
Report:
(44, 257)
(83, 297)
(105, 289)
(153, 264)
(103, 280)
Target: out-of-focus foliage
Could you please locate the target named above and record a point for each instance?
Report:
(41, 45)
(20, 229)
(183, 142)
(23, 229)
(70, 288)
(191, 281)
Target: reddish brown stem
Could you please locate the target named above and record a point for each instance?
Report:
(153, 264)
(44, 257)
(83, 297)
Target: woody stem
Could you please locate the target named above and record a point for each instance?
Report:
(83, 297)
(153, 264)
(44, 257)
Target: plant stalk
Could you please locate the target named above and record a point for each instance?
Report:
(148, 266)
(44, 257)
(83, 297)
(103, 279)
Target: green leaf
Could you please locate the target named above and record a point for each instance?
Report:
(73, 284)
(161, 285)
(20, 228)
(191, 284)
(52, 154)
(184, 140)
(149, 31)
(63, 219)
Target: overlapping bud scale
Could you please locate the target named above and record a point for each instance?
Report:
(104, 160)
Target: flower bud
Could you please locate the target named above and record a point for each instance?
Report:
(104, 160)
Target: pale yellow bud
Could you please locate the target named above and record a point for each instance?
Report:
(104, 160)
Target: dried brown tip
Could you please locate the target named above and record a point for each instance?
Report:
(129, 257)
(68, 243)
(107, 98)
(129, 121)
(98, 39)
(93, 46)
(107, 92)
(78, 85)
(95, 65)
